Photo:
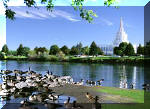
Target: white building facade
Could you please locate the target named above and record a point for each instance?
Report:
(121, 36)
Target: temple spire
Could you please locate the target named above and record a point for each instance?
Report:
(121, 35)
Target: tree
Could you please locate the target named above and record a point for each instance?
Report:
(140, 50)
(36, 50)
(85, 50)
(74, 51)
(116, 51)
(129, 51)
(60, 54)
(54, 49)
(5, 49)
(20, 50)
(12, 52)
(26, 51)
(65, 50)
(40, 50)
(79, 48)
(2, 55)
(23, 51)
(122, 48)
(93, 49)
(99, 51)
(76, 4)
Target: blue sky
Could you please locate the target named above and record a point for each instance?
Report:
(65, 27)
(103, 20)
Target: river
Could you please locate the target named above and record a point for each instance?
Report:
(112, 74)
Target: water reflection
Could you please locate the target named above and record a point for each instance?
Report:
(113, 75)
(123, 78)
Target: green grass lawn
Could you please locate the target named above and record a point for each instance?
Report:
(16, 57)
(135, 95)
(145, 105)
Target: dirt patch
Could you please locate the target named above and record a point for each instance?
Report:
(79, 93)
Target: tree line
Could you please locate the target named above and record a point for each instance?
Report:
(124, 49)
(55, 50)
(127, 49)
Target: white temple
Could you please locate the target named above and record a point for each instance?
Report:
(121, 35)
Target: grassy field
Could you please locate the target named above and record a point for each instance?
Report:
(102, 59)
(135, 95)
(143, 98)
(16, 57)
(145, 105)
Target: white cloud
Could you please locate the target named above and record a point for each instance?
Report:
(103, 21)
(42, 13)
(107, 22)
(65, 15)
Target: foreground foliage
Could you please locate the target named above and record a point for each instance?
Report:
(49, 4)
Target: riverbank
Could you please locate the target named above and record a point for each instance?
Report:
(25, 83)
(102, 59)
(105, 94)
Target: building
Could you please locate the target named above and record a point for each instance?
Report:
(121, 36)
(107, 49)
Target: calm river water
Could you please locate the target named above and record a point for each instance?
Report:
(112, 74)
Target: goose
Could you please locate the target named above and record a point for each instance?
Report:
(16, 71)
(125, 85)
(47, 101)
(101, 80)
(29, 69)
(4, 92)
(99, 83)
(2, 71)
(96, 99)
(75, 106)
(67, 101)
(47, 72)
(1, 87)
(5, 86)
(92, 83)
(90, 97)
(146, 86)
(41, 97)
(4, 78)
(25, 104)
(8, 72)
(87, 82)
(11, 83)
(81, 82)
(132, 86)
(32, 98)
(51, 73)
(53, 97)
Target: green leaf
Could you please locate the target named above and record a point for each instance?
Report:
(10, 14)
